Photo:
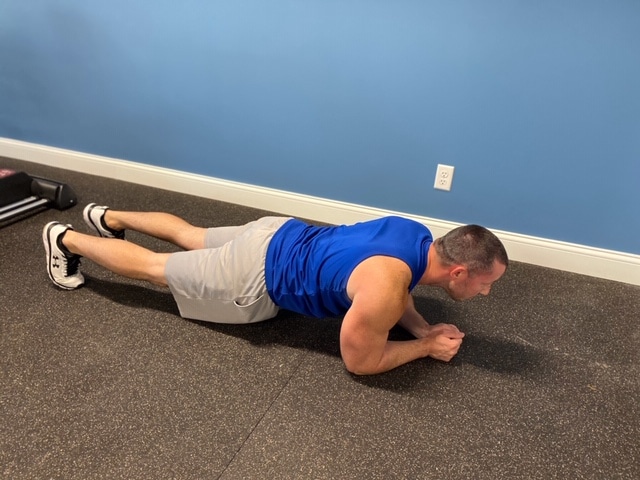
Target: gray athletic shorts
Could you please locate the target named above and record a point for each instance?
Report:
(225, 281)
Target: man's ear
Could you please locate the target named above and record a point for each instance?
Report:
(458, 272)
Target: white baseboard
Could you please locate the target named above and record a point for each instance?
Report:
(596, 262)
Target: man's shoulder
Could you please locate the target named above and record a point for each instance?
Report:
(379, 273)
(404, 223)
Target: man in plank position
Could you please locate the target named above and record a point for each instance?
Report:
(247, 273)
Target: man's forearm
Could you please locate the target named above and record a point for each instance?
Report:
(413, 322)
(396, 354)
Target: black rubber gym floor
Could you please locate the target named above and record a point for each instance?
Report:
(109, 382)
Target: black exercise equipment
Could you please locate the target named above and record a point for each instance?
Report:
(21, 193)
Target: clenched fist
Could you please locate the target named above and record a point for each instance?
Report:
(444, 341)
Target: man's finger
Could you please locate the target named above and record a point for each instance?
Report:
(446, 328)
(455, 335)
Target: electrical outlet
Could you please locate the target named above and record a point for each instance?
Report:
(444, 177)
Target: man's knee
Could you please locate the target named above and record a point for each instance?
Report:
(156, 269)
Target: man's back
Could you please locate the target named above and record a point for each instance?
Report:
(307, 267)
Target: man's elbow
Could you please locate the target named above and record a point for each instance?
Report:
(361, 372)
(360, 368)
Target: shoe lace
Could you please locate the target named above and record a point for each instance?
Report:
(73, 263)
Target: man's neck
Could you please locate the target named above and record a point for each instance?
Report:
(436, 274)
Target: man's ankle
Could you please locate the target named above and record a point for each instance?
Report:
(62, 246)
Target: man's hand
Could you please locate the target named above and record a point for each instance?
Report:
(444, 341)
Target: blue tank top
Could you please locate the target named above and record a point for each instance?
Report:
(307, 267)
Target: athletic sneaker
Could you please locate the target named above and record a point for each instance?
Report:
(62, 266)
(94, 217)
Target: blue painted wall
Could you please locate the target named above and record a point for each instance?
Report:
(536, 104)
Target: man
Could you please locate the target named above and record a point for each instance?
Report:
(246, 274)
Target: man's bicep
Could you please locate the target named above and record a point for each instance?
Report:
(378, 289)
(365, 328)
(362, 341)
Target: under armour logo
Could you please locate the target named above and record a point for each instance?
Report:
(55, 263)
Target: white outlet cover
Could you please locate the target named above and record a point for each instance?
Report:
(444, 177)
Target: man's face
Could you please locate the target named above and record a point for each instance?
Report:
(464, 286)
